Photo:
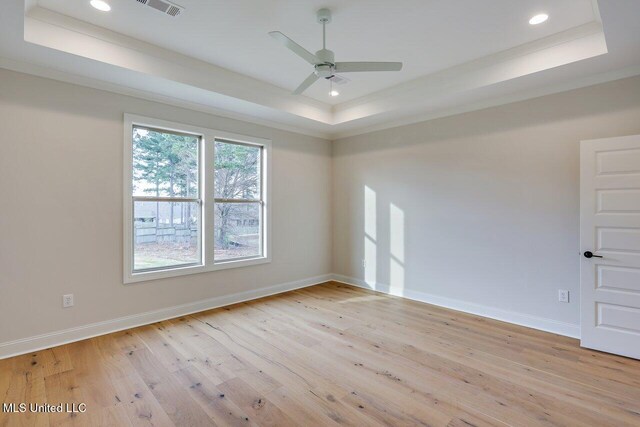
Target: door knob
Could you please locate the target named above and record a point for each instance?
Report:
(589, 254)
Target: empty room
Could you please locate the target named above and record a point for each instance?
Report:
(320, 213)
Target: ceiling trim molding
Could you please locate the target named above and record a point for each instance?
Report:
(559, 49)
(46, 43)
(63, 76)
(47, 72)
(495, 102)
(535, 46)
(59, 32)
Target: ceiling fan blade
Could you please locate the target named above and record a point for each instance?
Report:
(295, 47)
(305, 84)
(351, 67)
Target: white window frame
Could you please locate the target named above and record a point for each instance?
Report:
(207, 214)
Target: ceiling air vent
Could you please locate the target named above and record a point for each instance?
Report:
(163, 6)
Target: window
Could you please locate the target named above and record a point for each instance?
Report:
(238, 201)
(166, 203)
(195, 200)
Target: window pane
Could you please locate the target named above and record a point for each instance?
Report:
(237, 171)
(166, 234)
(164, 164)
(237, 230)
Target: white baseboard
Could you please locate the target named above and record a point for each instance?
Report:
(52, 339)
(535, 322)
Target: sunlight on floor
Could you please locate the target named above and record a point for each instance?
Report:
(362, 299)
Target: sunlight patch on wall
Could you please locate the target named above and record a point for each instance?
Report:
(370, 224)
(370, 262)
(370, 229)
(396, 249)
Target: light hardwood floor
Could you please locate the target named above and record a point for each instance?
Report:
(327, 355)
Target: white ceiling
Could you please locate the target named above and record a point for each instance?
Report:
(427, 35)
(217, 57)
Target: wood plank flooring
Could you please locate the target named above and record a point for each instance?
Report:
(327, 355)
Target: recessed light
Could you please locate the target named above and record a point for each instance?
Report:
(101, 5)
(538, 19)
(334, 93)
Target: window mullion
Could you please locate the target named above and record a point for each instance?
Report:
(208, 206)
(263, 223)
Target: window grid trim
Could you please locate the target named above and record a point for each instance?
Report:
(219, 200)
(166, 199)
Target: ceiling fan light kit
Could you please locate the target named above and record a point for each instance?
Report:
(324, 62)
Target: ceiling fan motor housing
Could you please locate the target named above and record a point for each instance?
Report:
(326, 68)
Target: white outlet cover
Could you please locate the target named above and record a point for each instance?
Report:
(67, 300)
(563, 295)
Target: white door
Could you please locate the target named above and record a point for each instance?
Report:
(610, 245)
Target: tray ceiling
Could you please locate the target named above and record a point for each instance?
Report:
(217, 56)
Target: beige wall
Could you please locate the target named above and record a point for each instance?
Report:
(479, 210)
(61, 151)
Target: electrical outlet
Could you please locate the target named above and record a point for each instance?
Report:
(563, 295)
(67, 300)
(364, 263)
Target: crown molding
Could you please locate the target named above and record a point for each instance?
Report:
(63, 76)
(583, 42)
(50, 29)
(494, 102)
(55, 31)
(48, 44)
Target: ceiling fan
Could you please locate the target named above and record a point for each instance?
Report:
(323, 61)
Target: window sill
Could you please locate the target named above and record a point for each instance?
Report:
(192, 269)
